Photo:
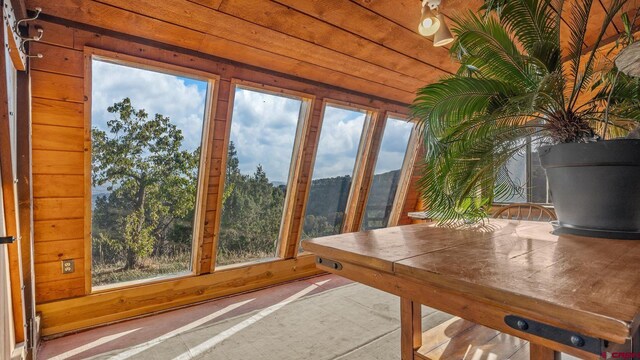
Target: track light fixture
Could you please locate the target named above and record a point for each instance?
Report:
(433, 23)
(429, 22)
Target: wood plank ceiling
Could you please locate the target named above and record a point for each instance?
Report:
(369, 46)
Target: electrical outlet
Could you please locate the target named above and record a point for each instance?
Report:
(68, 266)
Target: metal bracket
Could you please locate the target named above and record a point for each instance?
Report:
(328, 263)
(562, 336)
(7, 240)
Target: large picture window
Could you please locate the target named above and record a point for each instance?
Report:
(147, 135)
(264, 129)
(387, 173)
(340, 138)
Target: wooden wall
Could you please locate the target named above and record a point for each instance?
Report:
(59, 181)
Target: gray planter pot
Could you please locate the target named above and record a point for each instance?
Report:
(595, 187)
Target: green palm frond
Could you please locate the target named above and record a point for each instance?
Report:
(582, 77)
(511, 90)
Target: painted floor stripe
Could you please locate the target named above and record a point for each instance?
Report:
(146, 345)
(211, 343)
(91, 345)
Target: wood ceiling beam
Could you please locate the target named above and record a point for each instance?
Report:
(365, 23)
(210, 22)
(126, 22)
(326, 35)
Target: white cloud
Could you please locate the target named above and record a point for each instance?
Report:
(394, 145)
(181, 99)
(263, 129)
(263, 126)
(339, 141)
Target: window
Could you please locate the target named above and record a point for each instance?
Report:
(264, 129)
(538, 185)
(335, 161)
(387, 174)
(526, 172)
(147, 134)
(517, 168)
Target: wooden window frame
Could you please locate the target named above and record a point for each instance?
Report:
(295, 168)
(371, 117)
(211, 101)
(408, 164)
(369, 165)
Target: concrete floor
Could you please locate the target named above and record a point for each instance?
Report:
(320, 318)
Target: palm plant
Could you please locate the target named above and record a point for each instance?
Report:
(516, 86)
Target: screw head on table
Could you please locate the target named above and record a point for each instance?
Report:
(577, 341)
(522, 325)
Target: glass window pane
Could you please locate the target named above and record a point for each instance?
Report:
(263, 133)
(387, 173)
(146, 138)
(539, 186)
(334, 165)
(516, 168)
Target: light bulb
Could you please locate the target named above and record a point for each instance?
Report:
(429, 23)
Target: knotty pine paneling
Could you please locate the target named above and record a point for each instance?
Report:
(54, 137)
(58, 208)
(47, 85)
(57, 112)
(59, 250)
(56, 186)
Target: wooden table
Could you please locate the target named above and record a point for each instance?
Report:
(563, 293)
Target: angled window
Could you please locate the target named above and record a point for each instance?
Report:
(265, 127)
(335, 162)
(147, 128)
(390, 162)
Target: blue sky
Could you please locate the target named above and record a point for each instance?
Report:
(263, 129)
(263, 125)
(339, 140)
(181, 99)
(394, 145)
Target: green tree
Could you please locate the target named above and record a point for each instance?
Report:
(251, 216)
(152, 181)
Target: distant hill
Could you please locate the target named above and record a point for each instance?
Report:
(329, 195)
(98, 191)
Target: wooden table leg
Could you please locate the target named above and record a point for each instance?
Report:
(539, 352)
(410, 328)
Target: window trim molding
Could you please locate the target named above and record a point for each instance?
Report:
(363, 177)
(213, 81)
(371, 114)
(408, 166)
(295, 166)
(359, 185)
